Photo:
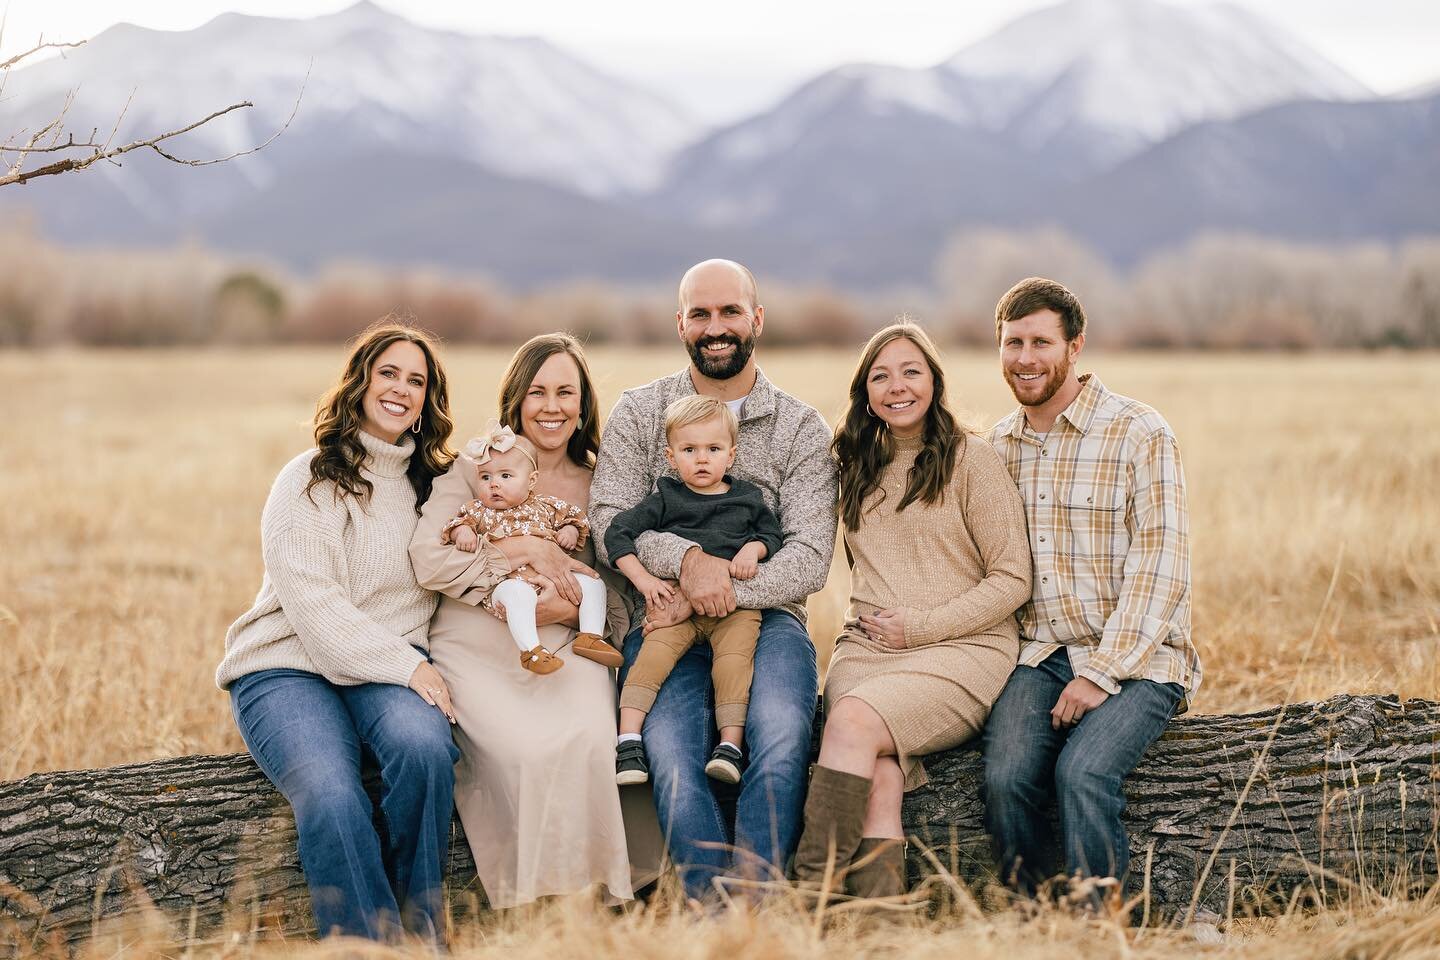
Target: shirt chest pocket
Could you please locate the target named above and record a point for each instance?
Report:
(1094, 497)
(1093, 515)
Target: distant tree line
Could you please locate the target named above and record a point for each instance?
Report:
(1218, 292)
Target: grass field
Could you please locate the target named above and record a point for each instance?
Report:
(132, 485)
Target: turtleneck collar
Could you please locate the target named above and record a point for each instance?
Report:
(387, 459)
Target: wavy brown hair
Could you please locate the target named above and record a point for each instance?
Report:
(585, 441)
(339, 455)
(863, 446)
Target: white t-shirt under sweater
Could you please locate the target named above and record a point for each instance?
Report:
(339, 597)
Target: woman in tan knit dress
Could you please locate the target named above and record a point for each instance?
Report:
(535, 786)
(940, 561)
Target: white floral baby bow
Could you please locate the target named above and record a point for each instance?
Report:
(496, 438)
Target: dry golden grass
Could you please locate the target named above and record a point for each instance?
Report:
(132, 485)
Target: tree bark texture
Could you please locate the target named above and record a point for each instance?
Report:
(1254, 810)
(1302, 801)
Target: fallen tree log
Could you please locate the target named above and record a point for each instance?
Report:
(1226, 813)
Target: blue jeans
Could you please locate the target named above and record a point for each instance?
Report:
(308, 736)
(1082, 769)
(680, 733)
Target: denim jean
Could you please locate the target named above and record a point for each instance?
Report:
(680, 732)
(1082, 768)
(309, 737)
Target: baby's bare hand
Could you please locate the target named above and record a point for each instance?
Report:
(567, 537)
(466, 540)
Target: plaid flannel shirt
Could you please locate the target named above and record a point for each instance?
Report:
(1105, 503)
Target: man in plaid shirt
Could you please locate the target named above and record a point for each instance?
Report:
(1106, 656)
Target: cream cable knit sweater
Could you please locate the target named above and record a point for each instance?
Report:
(339, 597)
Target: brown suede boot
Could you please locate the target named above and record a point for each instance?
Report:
(591, 647)
(834, 818)
(878, 869)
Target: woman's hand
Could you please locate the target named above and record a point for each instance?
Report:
(550, 607)
(427, 682)
(549, 561)
(885, 627)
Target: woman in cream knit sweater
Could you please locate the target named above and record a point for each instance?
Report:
(330, 663)
(940, 561)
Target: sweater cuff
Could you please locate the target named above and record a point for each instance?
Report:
(919, 628)
(661, 553)
(398, 669)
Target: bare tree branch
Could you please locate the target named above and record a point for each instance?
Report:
(283, 127)
(6, 65)
(70, 163)
(103, 151)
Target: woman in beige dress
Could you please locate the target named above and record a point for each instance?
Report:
(940, 561)
(535, 785)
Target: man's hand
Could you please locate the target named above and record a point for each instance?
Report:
(1079, 697)
(886, 627)
(705, 580)
(567, 536)
(746, 561)
(678, 610)
(465, 539)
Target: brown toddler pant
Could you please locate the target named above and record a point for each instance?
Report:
(732, 646)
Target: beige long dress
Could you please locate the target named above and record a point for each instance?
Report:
(960, 569)
(535, 785)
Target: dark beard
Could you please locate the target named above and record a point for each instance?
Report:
(721, 369)
(1053, 382)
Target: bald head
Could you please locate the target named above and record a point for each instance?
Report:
(709, 273)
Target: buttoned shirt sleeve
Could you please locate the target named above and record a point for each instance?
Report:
(1157, 566)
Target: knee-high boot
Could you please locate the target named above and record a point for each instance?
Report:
(834, 821)
(878, 870)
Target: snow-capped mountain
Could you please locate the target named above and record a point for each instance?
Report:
(1131, 123)
(1076, 88)
(518, 106)
(1136, 71)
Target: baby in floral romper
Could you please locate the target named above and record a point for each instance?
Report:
(509, 507)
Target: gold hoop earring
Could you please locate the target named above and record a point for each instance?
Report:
(415, 427)
(868, 410)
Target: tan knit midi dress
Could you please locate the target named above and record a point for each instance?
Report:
(960, 569)
(535, 785)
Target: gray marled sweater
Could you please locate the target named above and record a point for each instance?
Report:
(784, 450)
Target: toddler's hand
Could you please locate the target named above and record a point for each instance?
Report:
(465, 539)
(657, 592)
(747, 561)
(567, 536)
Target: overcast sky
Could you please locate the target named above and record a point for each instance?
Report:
(723, 61)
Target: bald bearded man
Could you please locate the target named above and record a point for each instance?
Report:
(783, 449)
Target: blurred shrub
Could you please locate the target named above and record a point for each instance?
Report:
(1217, 292)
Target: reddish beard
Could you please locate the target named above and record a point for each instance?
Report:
(1050, 385)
